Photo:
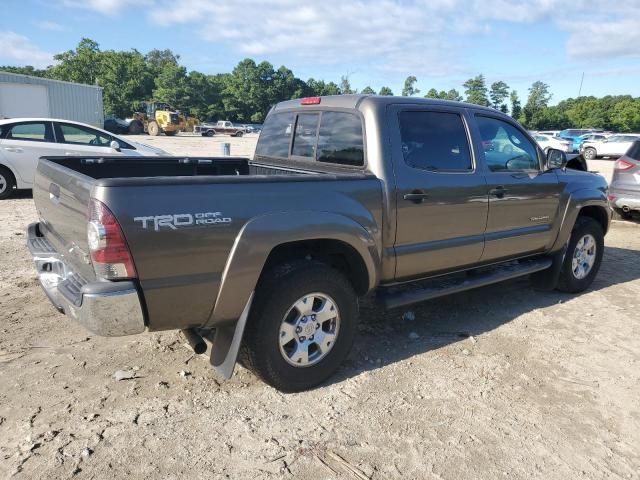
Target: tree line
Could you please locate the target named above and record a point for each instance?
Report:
(130, 78)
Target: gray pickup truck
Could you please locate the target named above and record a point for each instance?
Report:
(405, 198)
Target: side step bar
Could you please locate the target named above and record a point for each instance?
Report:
(445, 286)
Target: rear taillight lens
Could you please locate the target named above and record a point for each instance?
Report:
(622, 164)
(109, 250)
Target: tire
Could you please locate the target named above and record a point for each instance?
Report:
(170, 134)
(570, 280)
(210, 133)
(239, 134)
(590, 153)
(136, 127)
(7, 183)
(277, 295)
(153, 128)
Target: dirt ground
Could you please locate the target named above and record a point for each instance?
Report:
(501, 382)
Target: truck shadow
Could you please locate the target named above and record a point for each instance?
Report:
(20, 194)
(385, 337)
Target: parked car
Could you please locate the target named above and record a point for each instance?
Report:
(546, 142)
(267, 258)
(587, 137)
(24, 140)
(222, 127)
(613, 146)
(550, 133)
(116, 125)
(624, 191)
(576, 132)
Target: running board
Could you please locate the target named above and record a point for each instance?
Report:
(446, 286)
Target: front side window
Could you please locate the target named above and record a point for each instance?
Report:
(511, 149)
(304, 141)
(80, 135)
(434, 141)
(34, 131)
(340, 139)
(276, 136)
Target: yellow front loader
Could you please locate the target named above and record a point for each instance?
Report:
(158, 117)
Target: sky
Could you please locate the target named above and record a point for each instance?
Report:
(376, 42)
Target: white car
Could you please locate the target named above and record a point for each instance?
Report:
(24, 140)
(613, 146)
(546, 142)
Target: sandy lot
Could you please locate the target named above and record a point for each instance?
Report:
(502, 382)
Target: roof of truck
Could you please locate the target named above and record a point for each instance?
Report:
(355, 100)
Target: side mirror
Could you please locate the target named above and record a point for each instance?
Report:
(556, 159)
(114, 145)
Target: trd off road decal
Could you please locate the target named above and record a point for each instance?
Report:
(180, 220)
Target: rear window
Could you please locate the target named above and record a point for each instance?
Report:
(36, 131)
(329, 137)
(340, 139)
(276, 136)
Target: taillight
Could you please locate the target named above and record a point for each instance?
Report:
(310, 101)
(109, 251)
(622, 164)
(611, 198)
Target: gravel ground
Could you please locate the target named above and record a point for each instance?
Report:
(501, 382)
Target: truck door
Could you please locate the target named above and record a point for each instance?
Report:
(523, 199)
(441, 197)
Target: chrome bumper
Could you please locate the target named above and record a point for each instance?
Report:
(109, 309)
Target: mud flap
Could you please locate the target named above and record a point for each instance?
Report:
(547, 280)
(226, 344)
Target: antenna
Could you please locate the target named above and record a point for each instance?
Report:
(581, 82)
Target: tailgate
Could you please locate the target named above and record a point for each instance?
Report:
(62, 197)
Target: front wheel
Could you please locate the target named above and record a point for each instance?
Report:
(583, 257)
(301, 326)
(239, 134)
(153, 128)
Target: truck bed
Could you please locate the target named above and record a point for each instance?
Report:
(180, 268)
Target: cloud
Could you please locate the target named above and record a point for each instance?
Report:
(423, 36)
(51, 26)
(106, 7)
(19, 50)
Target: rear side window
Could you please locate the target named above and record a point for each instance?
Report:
(634, 150)
(276, 136)
(340, 139)
(434, 141)
(304, 141)
(36, 131)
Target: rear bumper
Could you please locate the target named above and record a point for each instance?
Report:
(624, 199)
(109, 309)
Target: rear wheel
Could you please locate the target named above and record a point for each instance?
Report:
(153, 128)
(7, 183)
(583, 257)
(301, 326)
(239, 134)
(210, 133)
(590, 153)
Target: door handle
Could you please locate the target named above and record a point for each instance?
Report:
(68, 154)
(498, 191)
(13, 149)
(416, 196)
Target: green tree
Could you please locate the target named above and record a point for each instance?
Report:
(345, 85)
(476, 91)
(80, 65)
(538, 100)
(454, 95)
(125, 81)
(409, 88)
(27, 70)
(386, 91)
(498, 94)
(368, 91)
(516, 108)
(432, 93)
(319, 88)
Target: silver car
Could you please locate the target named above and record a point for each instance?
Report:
(624, 192)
